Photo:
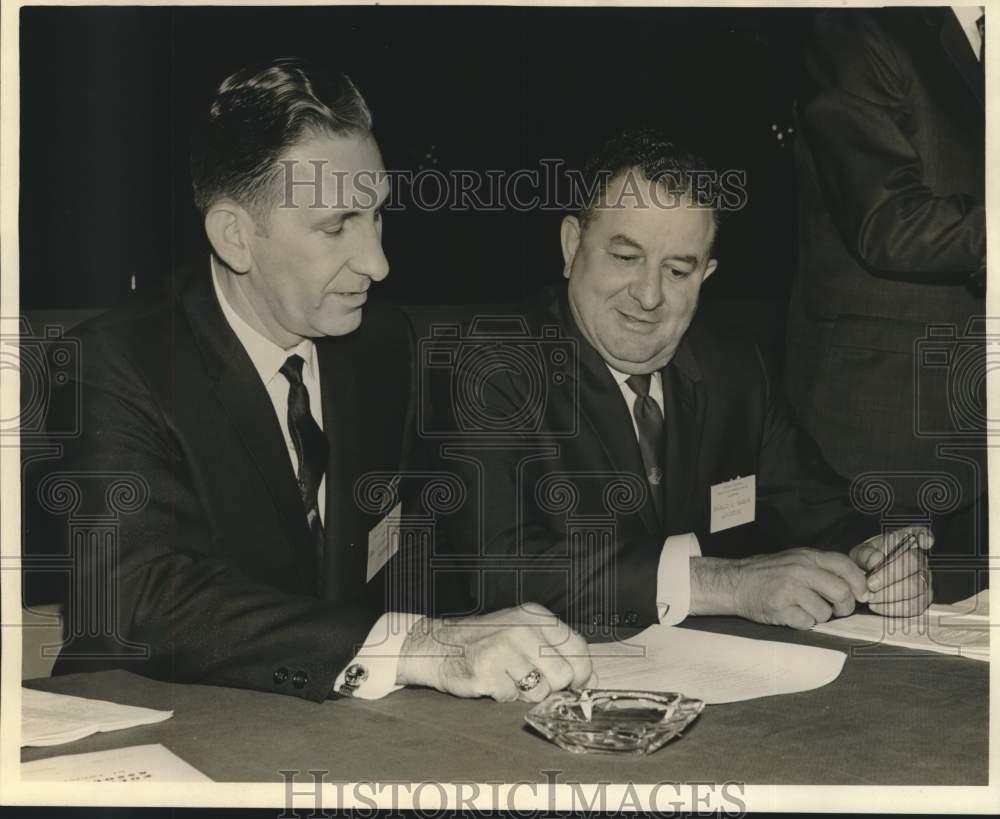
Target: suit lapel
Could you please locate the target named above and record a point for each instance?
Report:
(245, 400)
(604, 409)
(346, 550)
(956, 46)
(684, 415)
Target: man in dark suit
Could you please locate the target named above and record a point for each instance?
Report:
(243, 410)
(645, 466)
(885, 363)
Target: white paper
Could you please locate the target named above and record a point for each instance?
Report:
(716, 668)
(960, 629)
(733, 503)
(52, 719)
(140, 763)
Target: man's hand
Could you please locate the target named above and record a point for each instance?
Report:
(485, 656)
(797, 587)
(900, 587)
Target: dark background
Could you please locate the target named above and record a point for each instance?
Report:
(109, 96)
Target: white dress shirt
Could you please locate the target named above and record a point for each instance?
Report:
(268, 358)
(381, 649)
(673, 574)
(968, 17)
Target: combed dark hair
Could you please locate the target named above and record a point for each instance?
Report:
(257, 114)
(647, 151)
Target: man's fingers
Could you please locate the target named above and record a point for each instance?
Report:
(557, 671)
(904, 608)
(849, 572)
(924, 537)
(909, 588)
(824, 592)
(868, 555)
(797, 617)
(566, 644)
(492, 682)
(814, 605)
(520, 669)
(901, 567)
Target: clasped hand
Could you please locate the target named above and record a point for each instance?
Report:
(487, 655)
(802, 587)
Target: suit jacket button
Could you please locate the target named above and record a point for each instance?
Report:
(280, 676)
(299, 679)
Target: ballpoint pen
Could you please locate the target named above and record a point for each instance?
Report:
(894, 552)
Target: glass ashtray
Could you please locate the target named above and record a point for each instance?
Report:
(596, 720)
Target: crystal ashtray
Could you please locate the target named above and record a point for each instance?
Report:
(596, 720)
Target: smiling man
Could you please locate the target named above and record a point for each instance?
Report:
(665, 475)
(243, 406)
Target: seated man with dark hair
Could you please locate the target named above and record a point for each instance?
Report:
(662, 472)
(242, 407)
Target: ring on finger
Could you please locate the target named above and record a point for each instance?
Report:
(529, 680)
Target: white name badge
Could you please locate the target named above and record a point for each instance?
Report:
(733, 503)
(383, 542)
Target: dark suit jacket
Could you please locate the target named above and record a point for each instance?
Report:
(560, 514)
(215, 574)
(890, 163)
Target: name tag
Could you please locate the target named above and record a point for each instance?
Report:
(383, 542)
(733, 503)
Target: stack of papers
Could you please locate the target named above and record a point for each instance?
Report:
(715, 668)
(52, 719)
(142, 763)
(960, 629)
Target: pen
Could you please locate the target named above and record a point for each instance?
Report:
(893, 553)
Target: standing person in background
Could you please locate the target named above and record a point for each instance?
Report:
(886, 356)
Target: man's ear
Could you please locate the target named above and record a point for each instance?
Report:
(569, 237)
(228, 226)
(710, 268)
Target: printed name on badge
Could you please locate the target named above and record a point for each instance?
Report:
(733, 503)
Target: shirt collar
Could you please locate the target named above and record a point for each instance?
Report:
(968, 18)
(266, 356)
(621, 378)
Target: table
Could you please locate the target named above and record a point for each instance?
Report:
(893, 717)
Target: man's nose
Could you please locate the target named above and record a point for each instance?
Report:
(369, 258)
(647, 288)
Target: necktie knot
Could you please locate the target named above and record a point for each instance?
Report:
(292, 369)
(981, 25)
(639, 384)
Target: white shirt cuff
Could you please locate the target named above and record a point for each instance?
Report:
(372, 673)
(673, 578)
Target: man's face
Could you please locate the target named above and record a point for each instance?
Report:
(310, 273)
(635, 271)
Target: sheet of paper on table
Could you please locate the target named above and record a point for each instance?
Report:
(140, 763)
(961, 629)
(52, 719)
(716, 668)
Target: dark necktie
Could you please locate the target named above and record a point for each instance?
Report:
(312, 450)
(981, 25)
(649, 420)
